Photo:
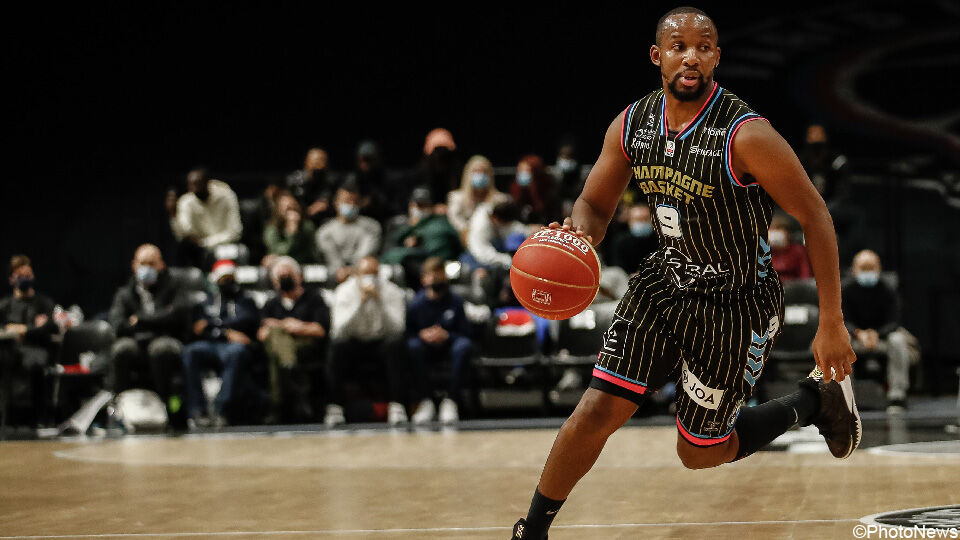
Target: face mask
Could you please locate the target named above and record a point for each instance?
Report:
(147, 275)
(367, 280)
(566, 165)
(23, 283)
(524, 179)
(868, 279)
(480, 180)
(286, 283)
(439, 288)
(778, 239)
(349, 211)
(641, 228)
(417, 213)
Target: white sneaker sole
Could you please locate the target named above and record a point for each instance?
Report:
(847, 387)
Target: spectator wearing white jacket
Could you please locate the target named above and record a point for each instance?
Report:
(206, 216)
(367, 325)
(488, 234)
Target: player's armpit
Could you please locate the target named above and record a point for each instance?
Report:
(604, 186)
(760, 152)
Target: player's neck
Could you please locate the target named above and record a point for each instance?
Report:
(678, 113)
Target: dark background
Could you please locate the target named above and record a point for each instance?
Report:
(109, 106)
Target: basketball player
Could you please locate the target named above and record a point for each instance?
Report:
(706, 307)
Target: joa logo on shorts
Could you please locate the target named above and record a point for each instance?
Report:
(700, 393)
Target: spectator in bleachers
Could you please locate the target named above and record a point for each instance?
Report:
(382, 191)
(566, 170)
(630, 247)
(293, 331)
(422, 234)
(224, 325)
(149, 316)
(367, 326)
(824, 166)
(476, 191)
(313, 186)
(349, 237)
(290, 234)
(207, 216)
(489, 231)
(28, 328)
(789, 259)
(871, 309)
(439, 168)
(533, 192)
(438, 334)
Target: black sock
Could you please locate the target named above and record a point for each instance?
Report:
(542, 511)
(757, 426)
(805, 403)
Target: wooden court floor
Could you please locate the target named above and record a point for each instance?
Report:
(468, 484)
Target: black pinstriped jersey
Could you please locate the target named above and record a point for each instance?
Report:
(712, 226)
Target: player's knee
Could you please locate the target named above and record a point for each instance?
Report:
(702, 457)
(600, 412)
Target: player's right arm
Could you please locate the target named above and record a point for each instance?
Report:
(598, 201)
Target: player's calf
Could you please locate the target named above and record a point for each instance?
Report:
(704, 457)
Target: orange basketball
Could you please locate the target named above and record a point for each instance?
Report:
(555, 274)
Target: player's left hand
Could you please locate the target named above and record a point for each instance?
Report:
(831, 349)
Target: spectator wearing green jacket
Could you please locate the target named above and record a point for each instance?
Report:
(421, 235)
(289, 234)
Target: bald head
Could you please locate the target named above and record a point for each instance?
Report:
(148, 255)
(683, 16)
(866, 261)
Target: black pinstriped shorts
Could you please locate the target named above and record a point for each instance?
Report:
(713, 346)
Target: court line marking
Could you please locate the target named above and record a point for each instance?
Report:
(434, 529)
(872, 518)
(904, 449)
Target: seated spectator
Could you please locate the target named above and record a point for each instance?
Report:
(313, 186)
(149, 315)
(629, 248)
(567, 172)
(224, 326)
(871, 309)
(438, 333)
(824, 166)
(28, 329)
(366, 329)
(423, 234)
(349, 237)
(293, 331)
(476, 190)
(290, 234)
(382, 191)
(533, 192)
(489, 230)
(788, 259)
(440, 166)
(207, 216)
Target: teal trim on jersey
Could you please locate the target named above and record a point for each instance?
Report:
(690, 129)
(727, 161)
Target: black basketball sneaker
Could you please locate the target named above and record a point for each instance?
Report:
(518, 531)
(838, 419)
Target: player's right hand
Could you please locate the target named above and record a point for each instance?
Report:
(568, 226)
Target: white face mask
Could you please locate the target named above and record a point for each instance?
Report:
(367, 280)
(417, 213)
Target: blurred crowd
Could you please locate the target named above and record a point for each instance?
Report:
(368, 282)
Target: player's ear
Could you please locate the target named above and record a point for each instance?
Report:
(655, 55)
(718, 57)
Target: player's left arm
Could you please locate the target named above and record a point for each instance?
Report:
(758, 150)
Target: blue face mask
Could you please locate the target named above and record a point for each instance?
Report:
(147, 275)
(480, 180)
(524, 179)
(641, 229)
(348, 211)
(868, 279)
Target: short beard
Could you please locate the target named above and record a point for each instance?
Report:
(682, 94)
